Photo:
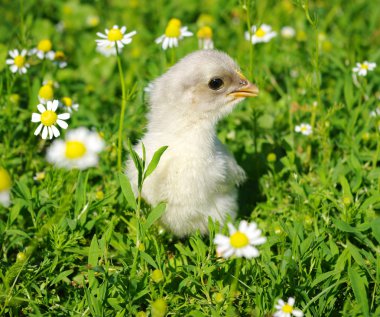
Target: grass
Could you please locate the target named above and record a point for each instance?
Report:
(68, 241)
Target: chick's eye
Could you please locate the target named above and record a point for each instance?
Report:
(215, 83)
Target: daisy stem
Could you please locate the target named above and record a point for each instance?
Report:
(247, 6)
(173, 56)
(234, 284)
(122, 112)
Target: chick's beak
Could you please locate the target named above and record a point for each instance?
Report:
(247, 89)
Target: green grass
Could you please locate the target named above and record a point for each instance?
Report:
(68, 242)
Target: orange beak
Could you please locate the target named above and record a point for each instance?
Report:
(246, 90)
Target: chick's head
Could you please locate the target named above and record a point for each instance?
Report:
(204, 83)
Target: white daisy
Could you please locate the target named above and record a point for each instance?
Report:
(18, 61)
(46, 92)
(241, 242)
(260, 34)
(363, 68)
(106, 51)
(173, 33)
(58, 58)
(304, 128)
(43, 49)
(5, 187)
(204, 35)
(68, 104)
(115, 37)
(288, 32)
(286, 309)
(80, 149)
(48, 119)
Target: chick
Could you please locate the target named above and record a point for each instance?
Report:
(197, 176)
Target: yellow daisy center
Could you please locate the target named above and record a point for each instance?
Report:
(239, 240)
(19, 61)
(59, 56)
(67, 101)
(260, 32)
(44, 46)
(46, 92)
(174, 28)
(48, 118)
(75, 149)
(362, 66)
(204, 33)
(287, 308)
(304, 129)
(115, 35)
(5, 180)
(176, 22)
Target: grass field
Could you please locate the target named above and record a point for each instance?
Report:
(69, 237)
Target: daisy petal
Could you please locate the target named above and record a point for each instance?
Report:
(62, 124)
(44, 133)
(38, 130)
(36, 117)
(41, 108)
(55, 131)
(64, 116)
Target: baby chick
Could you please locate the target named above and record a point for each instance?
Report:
(196, 176)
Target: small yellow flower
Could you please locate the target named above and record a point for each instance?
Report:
(40, 176)
(99, 195)
(271, 157)
(159, 308)
(49, 119)
(115, 37)
(5, 187)
(69, 105)
(363, 68)
(173, 33)
(261, 34)
(46, 93)
(80, 149)
(17, 61)
(44, 45)
(287, 309)
(21, 257)
(43, 48)
(219, 298)
(241, 242)
(157, 276)
(347, 200)
(204, 35)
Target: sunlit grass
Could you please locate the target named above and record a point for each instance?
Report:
(78, 243)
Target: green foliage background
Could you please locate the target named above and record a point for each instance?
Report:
(68, 241)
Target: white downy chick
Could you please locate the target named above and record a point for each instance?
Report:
(196, 176)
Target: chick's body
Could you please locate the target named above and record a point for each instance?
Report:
(196, 176)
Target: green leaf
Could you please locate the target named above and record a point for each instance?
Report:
(148, 259)
(80, 193)
(126, 188)
(375, 226)
(61, 276)
(371, 202)
(93, 255)
(344, 226)
(354, 251)
(358, 283)
(345, 186)
(154, 215)
(137, 161)
(155, 160)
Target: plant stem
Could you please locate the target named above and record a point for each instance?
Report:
(235, 281)
(122, 112)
